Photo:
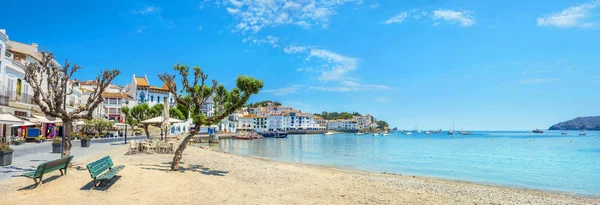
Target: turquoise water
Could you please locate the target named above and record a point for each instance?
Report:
(549, 161)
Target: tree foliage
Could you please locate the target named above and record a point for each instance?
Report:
(263, 104)
(193, 94)
(99, 125)
(50, 84)
(143, 112)
(335, 115)
(382, 124)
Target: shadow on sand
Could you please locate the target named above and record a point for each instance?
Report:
(166, 167)
(49, 179)
(102, 187)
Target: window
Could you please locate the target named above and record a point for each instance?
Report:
(171, 100)
(152, 98)
(158, 99)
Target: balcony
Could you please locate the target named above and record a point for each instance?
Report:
(3, 100)
(22, 98)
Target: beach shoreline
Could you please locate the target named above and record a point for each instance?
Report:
(354, 169)
(210, 177)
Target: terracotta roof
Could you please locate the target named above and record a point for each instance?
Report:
(157, 88)
(114, 95)
(141, 82)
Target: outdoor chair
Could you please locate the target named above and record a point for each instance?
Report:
(133, 147)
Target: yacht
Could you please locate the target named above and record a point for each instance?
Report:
(329, 133)
(582, 133)
(375, 134)
(385, 134)
(427, 132)
(538, 131)
(358, 133)
(408, 133)
(451, 132)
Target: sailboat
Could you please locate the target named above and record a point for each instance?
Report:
(451, 132)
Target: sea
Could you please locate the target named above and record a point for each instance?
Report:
(549, 161)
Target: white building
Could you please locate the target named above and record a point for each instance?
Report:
(142, 92)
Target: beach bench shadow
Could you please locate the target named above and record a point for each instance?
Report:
(166, 167)
(49, 179)
(104, 187)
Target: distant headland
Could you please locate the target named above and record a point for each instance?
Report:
(580, 123)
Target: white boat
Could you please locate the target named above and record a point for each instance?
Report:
(329, 133)
(376, 134)
(582, 133)
(408, 133)
(385, 134)
(427, 132)
(564, 133)
(358, 133)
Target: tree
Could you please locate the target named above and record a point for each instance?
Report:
(50, 87)
(129, 119)
(99, 124)
(382, 124)
(194, 94)
(143, 112)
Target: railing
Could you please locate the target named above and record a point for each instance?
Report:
(23, 98)
(3, 100)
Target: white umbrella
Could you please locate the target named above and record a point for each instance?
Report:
(160, 119)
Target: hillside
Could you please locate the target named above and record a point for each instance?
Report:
(580, 123)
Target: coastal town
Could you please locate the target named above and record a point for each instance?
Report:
(16, 102)
(288, 102)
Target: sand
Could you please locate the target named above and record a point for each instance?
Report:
(210, 177)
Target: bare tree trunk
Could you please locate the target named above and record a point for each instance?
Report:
(179, 151)
(67, 127)
(146, 130)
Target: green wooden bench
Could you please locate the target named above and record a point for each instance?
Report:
(97, 170)
(46, 167)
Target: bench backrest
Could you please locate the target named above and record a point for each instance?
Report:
(53, 165)
(96, 168)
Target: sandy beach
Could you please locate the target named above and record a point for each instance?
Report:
(210, 177)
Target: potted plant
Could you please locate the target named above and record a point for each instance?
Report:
(17, 142)
(85, 141)
(5, 154)
(39, 139)
(56, 145)
(73, 135)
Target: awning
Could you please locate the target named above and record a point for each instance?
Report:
(25, 123)
(10, 119)
(30, 119)
(79, 123)
(159, 119)
(46, 119)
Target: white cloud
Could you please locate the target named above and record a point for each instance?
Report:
(537, 80)
(571, 17)
(374, 6)
(464, 18)
(294, 49)
(271, 40)
(338, 65)
(254, 15)
(397, 19)
(236, 3)
(146, 10)
(232, 10)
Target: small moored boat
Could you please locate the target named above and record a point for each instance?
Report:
(582, 133)
(538, 131)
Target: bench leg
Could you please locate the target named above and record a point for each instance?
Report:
(61, 172)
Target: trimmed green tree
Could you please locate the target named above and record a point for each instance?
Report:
(194, 94)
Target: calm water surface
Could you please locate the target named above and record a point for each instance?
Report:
(548, 161)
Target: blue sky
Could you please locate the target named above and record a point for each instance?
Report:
(484, 65)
